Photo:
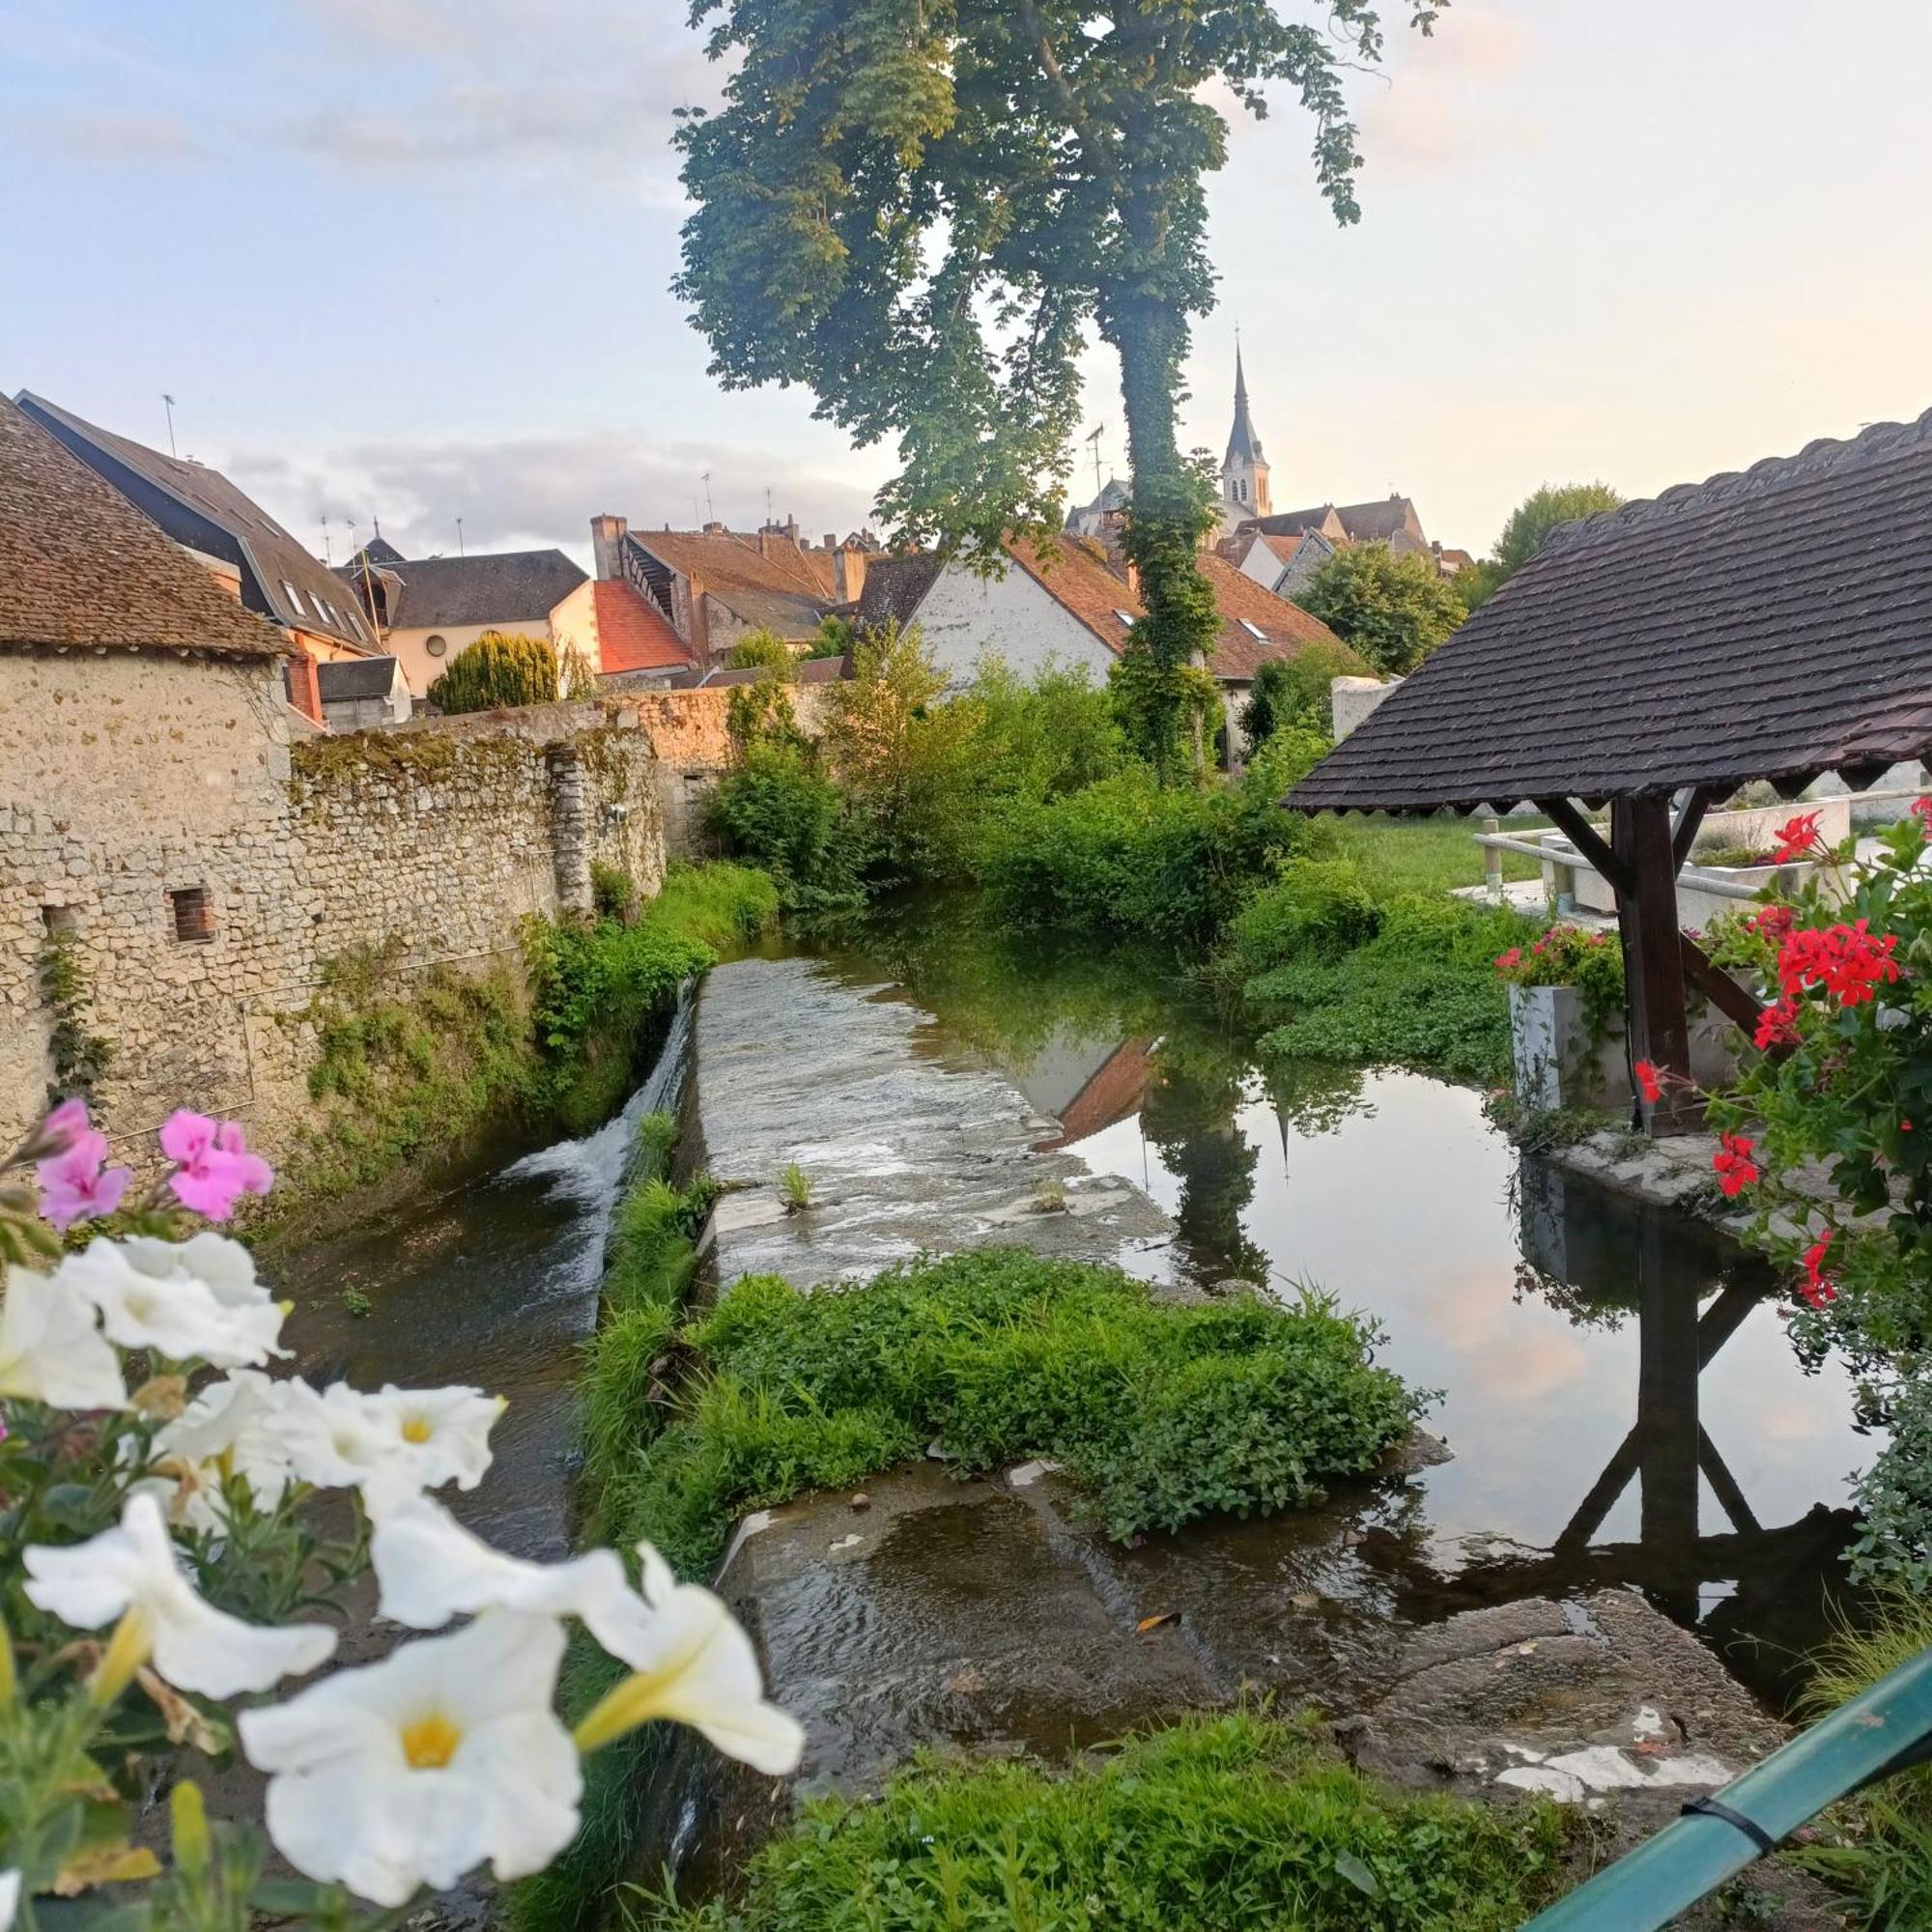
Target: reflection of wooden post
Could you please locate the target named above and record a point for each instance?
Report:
(1660, 1032)
(1667, 1430)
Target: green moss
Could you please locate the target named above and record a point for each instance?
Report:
(1239, 1820)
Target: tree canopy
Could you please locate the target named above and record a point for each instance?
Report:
(918, 207)
(1393, 610)
(498, 668)
(1541, 511)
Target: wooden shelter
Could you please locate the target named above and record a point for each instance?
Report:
(1772, 624)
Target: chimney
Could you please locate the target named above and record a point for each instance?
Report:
(791, 528)
(765, 541)
(831, 540)
(713, 529)
(849, 575)
(606, 534)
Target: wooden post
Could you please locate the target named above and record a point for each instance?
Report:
(1493, 862)
(1646, 885)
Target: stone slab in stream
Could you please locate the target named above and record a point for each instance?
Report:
(904, 1151)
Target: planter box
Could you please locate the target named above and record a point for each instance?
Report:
(1556, 1064)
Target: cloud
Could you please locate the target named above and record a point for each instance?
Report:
(539, 91)
(534, 491)
(116, 138)
(1444, 104)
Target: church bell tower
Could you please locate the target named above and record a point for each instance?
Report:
(1244, 470)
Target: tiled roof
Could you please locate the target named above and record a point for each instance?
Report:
(811, 671)
(896, 587)
(631, 634)
(513, 587)
(1280, 548)
(80, 565)
(1380, 522)
(1292, 523)
(1080, 580)
(298, 589)
(346, 678)
(1286, 628)
(1774, 624)
(725, 560)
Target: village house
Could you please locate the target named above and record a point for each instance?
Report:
(429, 609)
(1074, 608)
(715, 587)
(364, 693)
(231, 536)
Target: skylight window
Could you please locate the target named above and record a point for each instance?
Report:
(295, 598)
(1127, 619)
(1253, 630)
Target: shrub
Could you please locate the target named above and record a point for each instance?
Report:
(1423, 992)
(1286, 690)
(1234, 1820)
(498, 670)
(1165, 1411)
(765, 650)
(1393, 610)
(1320, 903)
(779, 811)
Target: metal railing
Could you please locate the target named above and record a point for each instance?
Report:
(1880, 1733)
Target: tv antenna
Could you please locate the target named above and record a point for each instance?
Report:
(710, 515)
(168, 404)
(459, 536)
(1099, 430)
(328, 561)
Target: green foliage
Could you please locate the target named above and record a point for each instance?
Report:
(80, 1057)
(835, 638)
(1318, 904)
(1881, 1852)
(777, 811)
(1167, 1412)
(1420, 855)
(1475, 583)
(1225, 1820)
(498, 670)
(795, 1188)
(594, 983)
(613, 893)
(1125, 855)
(1393, 610)
(1423, 992)
(765, 650)
(1288, 689)
(1570, 955)
(1541, 511)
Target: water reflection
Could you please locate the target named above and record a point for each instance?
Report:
(1617, 1388)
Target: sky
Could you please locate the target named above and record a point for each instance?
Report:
(410, 260)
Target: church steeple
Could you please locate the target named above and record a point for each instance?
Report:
(1244, 470)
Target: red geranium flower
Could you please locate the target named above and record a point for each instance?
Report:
(1817, 1290)
(1849, 961)
(1773, 923)
(1795, 838)
(1505, 960)
(1921, 810)
(1647, 1079)
(1777, 1025)
(1736, 1170)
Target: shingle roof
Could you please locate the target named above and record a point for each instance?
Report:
(512, 586)
(632, 632)
(80, 565)
(276, 559)
(347, 678)
(894, 588)
(1774, 624)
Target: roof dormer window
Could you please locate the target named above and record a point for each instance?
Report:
(1253, 630)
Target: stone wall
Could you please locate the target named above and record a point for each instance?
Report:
(148, 799)
(1353, 698)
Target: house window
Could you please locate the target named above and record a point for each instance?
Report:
(192, 912)
(1253, 630)
(436, 646)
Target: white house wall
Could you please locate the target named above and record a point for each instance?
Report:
(966, 617)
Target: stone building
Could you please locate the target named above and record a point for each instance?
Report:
(194, 851)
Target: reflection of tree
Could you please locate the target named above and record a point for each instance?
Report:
(1314, 1096)
(1191, 1113)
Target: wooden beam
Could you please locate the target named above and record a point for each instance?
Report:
(1584, 836)
(1683, 832)
(1660, 1030)
(1717, 985)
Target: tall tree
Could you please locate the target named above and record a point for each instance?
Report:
(1393, 610)
(1541, 511)
(916, 208)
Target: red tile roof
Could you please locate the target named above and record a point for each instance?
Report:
(632, 632)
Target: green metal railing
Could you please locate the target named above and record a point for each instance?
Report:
(1880, 1732)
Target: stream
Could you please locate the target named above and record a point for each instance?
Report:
(1617, 1392)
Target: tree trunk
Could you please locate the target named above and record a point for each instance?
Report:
(1165, 525)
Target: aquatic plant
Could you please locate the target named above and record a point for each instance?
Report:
(794, 1188)
(177, 1527)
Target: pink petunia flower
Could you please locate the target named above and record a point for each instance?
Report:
(67, 1124)
(76, 1186)
(257, 1176)
(213, 1164)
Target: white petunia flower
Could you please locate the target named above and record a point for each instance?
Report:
(694, 1664)
(189, 1301)
(51, 1349)
(391, 1444)
(430, 1569)
(130, 1573)
(10, 1898)
(413, 1771)
(230, 1428)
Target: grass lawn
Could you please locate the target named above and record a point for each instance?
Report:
(1423, 855)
